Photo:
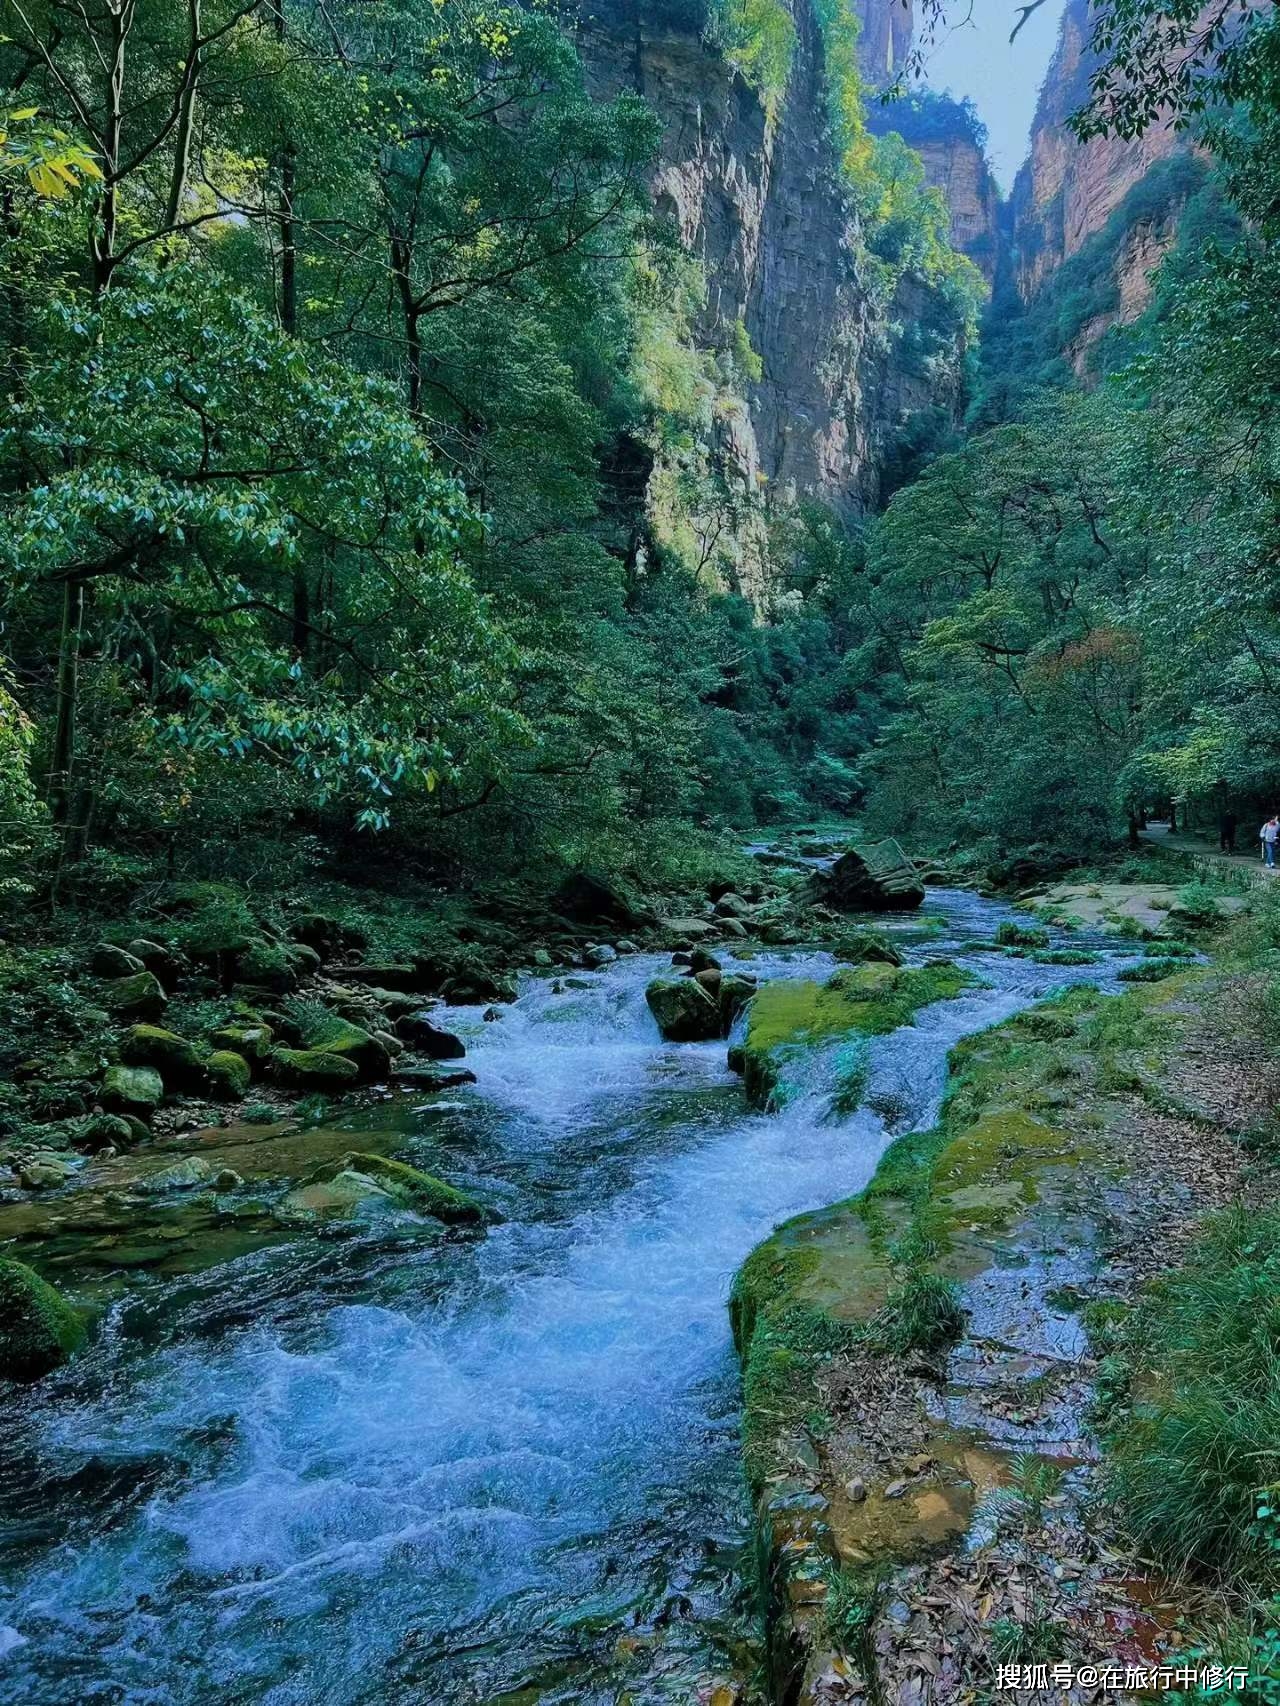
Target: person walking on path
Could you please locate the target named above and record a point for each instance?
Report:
(1268, 835)
(1227, 825)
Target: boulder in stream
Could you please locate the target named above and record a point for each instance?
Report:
(877, 880)
(685, 1011)
(418, 1031)
(39, 1329)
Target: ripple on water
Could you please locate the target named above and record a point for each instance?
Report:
(429, 1474)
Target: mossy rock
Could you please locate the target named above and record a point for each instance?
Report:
(348, 1042)
(267, 965)
(1010, 935)
(251, 1041)
(39, 1329)
(857, 1001)
(108, 960)
(139, 996)
(175, 1058)
(227, 1076)
(865, 946)
(132, 1090)
(422, 1191)
(104, 1131)
(312, 1069)
(684, 1010)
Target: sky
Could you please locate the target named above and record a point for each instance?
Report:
(1002, 78)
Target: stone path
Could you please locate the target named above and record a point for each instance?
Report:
(1247, 860)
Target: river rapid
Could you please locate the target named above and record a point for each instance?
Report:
(368, 1467)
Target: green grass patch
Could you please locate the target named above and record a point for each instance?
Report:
(1195, 1458)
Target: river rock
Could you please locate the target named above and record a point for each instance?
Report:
(731, 905)
(420, 1033)
(109, 961)
(227, 1076)
(185, 1175)
(138, 996)
(598, 954)
(473, 986)
(312, 1069)
(429, 1078)
(39, 1329)
(859, 946)
(132, 1090)
(853, 885)
(587, 897)
(685, 1012)
(684, 932)
(104, 1131)
(339, 1198)
(174, 1058)
(422, 1191)
(733, 995)
(701, 960)
(43, 1173)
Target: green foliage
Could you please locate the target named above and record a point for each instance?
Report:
(758, 37)
(923, 1313)
(1193, 1458)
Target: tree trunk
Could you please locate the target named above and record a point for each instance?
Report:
(62, 763)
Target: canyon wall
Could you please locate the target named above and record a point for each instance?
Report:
(1113, 203)
(760, 205)
(957, 166)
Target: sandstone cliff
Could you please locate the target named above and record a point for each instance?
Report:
(1066, 192)
(759, 204)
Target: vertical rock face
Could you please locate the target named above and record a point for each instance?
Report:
(958, 167)
(885, 37)
(1066, 191)
(761, 207)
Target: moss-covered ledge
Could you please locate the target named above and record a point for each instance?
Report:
(790, 1017)
(845, 1318)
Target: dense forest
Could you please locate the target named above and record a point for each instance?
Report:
(519, 521)
(357, 478)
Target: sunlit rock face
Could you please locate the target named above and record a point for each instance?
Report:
(760, 205)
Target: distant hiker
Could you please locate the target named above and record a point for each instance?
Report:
(1227, 825)
(1267, 835)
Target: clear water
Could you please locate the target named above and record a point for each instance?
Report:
(368, 1468)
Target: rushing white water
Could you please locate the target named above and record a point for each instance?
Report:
(414, 1474)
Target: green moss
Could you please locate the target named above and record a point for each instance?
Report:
(227, 1075)
(38, 1328)
(175, 1058)
(251, 1041)
(1011, 935)
(312, 1069)
(858, 1001)
(132, 1090)
(423, 1190)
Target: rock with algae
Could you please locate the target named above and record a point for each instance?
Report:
(39, 1329)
